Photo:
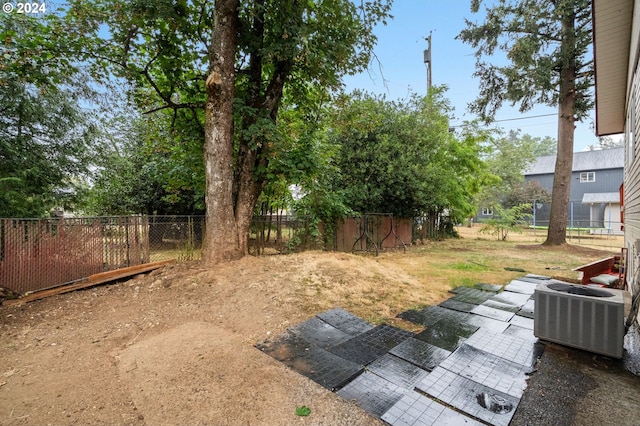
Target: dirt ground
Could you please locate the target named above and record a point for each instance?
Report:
(176, 346)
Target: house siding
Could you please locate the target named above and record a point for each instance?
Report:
(632, 175)
(607, 180)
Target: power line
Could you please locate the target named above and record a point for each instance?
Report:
(513, 119)
(524, 118)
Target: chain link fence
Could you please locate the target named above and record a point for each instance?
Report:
(579, 232)
(41, 253)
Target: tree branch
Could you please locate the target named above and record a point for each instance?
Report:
(193, 106)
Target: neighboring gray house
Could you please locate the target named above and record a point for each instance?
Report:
(594, 201)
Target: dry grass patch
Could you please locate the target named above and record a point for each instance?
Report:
(378, 288)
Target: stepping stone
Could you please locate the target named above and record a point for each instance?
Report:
(345, 321)
(447, 333)
(518, 286)
(479, 401)
(486, 323)
(489, 370)
(511, 348)
(420, 353)
(497, 314)
(538, 277)
(416, 409)
(456, 305)
(523, 322)
(372, 393)
(520, 332)
(472, 295)
(488, 287)
(431, 315)
(370, 345)
(502, 306)
(397, 370)
(418, 316)
(320, 333)
(527, 309)
(321, 366)
(511, 298)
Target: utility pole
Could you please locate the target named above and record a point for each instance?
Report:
(427, 61)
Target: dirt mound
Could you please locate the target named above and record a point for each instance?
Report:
(175, 346)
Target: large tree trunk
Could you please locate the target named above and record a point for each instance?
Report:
(557, 233)
(232, 192)
(221, 240)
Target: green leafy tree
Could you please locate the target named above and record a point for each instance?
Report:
(506, 158)
(44, 133)
(526, 192)
(545, 146)
(505, 220)
(228, 64)
(401, 158)
(140, 170)
(607, 142)
(547, 47)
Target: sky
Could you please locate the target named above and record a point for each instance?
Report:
(401, 69)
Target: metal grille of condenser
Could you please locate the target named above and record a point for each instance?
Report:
(581, 317)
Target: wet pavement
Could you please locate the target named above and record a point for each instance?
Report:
(469, 365)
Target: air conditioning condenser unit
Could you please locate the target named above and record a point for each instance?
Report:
(580, 316)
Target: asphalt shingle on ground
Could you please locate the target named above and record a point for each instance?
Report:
(373, 393)
(397, 370)
(520, 332)
(523, 322)
(311, 361)
(511, 298)
(473, 398)
(430, 315)
(490, 370)
(345, 321)
(456, 305)
(370, 345)
(527, 309)
(447, 333)
(488, 287)
(489, 312)
(472, 295)
(518, 286)
(491, 303)
(420, 353)
(320, 333)
(415, 409)
(477, 347)
(511, 348)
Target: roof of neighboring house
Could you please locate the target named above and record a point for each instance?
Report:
(582, 161)
(601, 197)
(612, 26)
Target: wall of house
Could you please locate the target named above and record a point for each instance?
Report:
(632, 159)
(606, 180)
(632, 175)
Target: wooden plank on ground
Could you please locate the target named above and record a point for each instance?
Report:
(92, 280)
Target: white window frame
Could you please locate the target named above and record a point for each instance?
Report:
(487, 211)
(587, 177)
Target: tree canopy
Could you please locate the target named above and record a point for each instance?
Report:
(401, 158)
(531, 33)
(547, 47)
(507, 157)
(226, 66)
(44, 133)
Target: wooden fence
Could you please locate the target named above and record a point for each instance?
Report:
(39, 253)
(373, 232)
(36, 254)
